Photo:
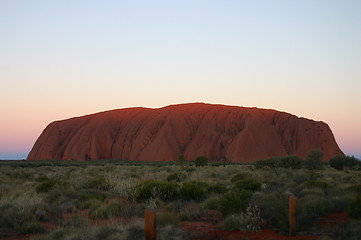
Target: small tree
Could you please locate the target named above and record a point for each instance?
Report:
(314, 160)
(181, 160)
(201, 161)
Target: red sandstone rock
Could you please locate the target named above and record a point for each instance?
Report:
(237, 133)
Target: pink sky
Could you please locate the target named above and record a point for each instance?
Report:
(59, 61)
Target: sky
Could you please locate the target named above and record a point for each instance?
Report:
(61, 59)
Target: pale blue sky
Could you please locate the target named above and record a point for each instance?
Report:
(60, 59)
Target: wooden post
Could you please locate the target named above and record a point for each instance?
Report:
(292, 215)
(150, 225)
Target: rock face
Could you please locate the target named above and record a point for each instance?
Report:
(216, 131)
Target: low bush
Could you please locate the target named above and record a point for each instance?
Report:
(48, 184)
(315, 184)
(311, 191)
(350, 231)
(293, 162)
(314, 160)
(97, 183)
(31, 228)
(248, 184)
(196, 191)
(177, 177)
(248, 221)
(234, 202)
(211, 203)
(233, 222)
(12, 216)
(340, 162)
(239, 176)
(201, 161)
(216, 188)
(107, 233)
(310, 209)
(274, 209)
(78, 221)
(134, 231)
(355, 188)
(354, 209)
(156, 189)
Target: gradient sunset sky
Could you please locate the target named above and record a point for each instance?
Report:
(66, 58)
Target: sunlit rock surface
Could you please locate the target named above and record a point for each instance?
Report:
(238, 134)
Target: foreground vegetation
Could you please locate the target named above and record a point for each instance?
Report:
(107, 199)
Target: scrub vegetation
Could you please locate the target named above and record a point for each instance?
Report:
(106, 199)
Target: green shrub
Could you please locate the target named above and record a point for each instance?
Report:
(12, 216)
(107, 233)
(201, 161)
(248, 221)
(31, 228)
(314, 160)
(248, 185)
(58, 234)
(349, 231)
(97, 183)
(239, 176)
(176, 177)
(46, 185)
(354, 210)
(273, 209)
(293, 162)
(316, 184)
(234, 202)
(355, 188)
(340, 162)
(134, 231)
(78, 221)
(311, 191)
(193, 191)
(42, 179)
(155, 189)
(310, 209)
(233, 222)
(216, 188)
(211, 203)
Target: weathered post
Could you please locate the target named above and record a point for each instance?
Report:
(150, 225)
(292, 215)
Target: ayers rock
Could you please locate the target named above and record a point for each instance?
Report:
(237, 133)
